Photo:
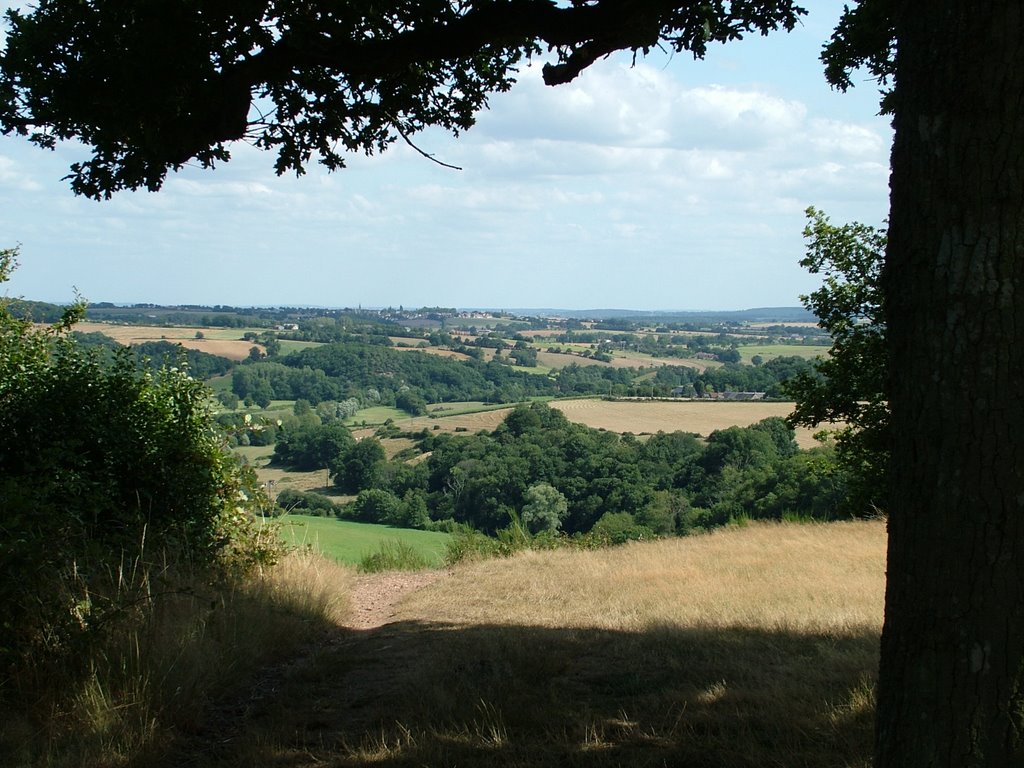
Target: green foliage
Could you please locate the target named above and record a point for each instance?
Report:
(313, 446)
(411, 403)
(851, 386)
(545, 508)
(757, 471)
(200, 365)
(389, 71)
(620, 527)
(306, 502)
(357, 468)
(375, 505)
(103, 465)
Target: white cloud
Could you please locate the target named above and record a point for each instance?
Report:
(12, 176)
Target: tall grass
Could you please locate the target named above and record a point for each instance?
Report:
(393, 555)
(752, 646)
(183, 644)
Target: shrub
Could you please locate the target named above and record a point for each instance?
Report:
(620, 527)
(305, 502)
(376, 506)
(102, 467)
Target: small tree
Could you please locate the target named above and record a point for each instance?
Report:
(545, 508)
(850, 387)
(375, 505)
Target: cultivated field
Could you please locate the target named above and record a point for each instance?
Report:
(700, 417)
(348, 542)
(627, 359)
(770, 351)
(636, 416)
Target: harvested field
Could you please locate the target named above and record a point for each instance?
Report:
(558, 360)
(464, 422)
(636, 360)
(636, 416)
(434, 351)
(702, 418)
(232, 348)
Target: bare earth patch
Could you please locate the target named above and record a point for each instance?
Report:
(375, 596)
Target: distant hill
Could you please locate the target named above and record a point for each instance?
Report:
(755, 315)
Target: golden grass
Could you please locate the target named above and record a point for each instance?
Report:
(778, 577)
(700, 417)
(747, 647)
(216, 341)
(636, 416)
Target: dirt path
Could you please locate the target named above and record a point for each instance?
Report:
(375, 596)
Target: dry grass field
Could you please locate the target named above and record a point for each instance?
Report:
(559, 360)
(435, 351)
(746, 647)
(699, 417)
(226, 343)
(636, 416)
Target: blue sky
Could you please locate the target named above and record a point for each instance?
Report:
(672, 184)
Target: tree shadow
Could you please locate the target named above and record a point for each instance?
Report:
(422, 694)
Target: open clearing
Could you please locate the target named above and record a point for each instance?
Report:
(746, 647)
(771, 351)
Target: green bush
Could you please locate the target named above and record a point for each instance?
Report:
(375, 505)
(306, 503)
(103, 468)
(620, 527)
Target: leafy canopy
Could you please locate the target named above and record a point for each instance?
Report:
(152, 85)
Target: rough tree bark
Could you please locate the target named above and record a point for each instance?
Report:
(950, 688)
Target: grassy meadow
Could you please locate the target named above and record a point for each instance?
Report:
(752, 646)
(771, 351)
(348, 542)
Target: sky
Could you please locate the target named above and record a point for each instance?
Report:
(671, 184)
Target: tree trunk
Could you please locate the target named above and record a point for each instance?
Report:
(951, 687)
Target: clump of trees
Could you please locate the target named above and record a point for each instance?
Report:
(549, 474)
(349, 371)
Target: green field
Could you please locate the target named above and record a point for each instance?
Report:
(770, 351)
(441, 410)
(288, 345)
(378, 414)
(347, 542)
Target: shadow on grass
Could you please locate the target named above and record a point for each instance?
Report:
(415, 694)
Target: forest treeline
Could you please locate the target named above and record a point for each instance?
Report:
(380, 374)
